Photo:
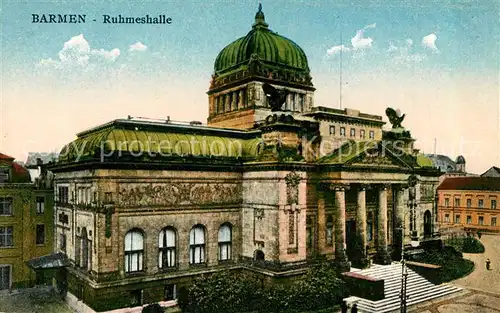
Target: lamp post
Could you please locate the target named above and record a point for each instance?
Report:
(412, 181)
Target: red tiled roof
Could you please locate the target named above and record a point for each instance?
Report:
(6, 157)
(19, 173)
(470, 183)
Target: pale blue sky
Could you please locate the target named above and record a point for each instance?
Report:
(436, 60)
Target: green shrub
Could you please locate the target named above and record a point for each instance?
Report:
(153, 308)
(228, 291)
(453, 265)
(472, 245)
(466, 244)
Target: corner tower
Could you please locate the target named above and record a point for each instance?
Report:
(236, 98)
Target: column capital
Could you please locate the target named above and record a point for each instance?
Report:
(383, 186)
(363, 187)
(331, 186)
(400, 187)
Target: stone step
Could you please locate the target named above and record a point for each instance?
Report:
(418, 289)
(393, 303)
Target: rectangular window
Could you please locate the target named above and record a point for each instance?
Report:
(493, 204)
(362, 134)
(457, 202)
(63, 194)
(332, 130)
(342, 131)
(457, 219)
(447, 218)
(329, 230)
(493, 221)
(62, 242)
(40, 234)
(372, 134)
(5, 273)
(170, 292)
(469, 203)
(136, 297)
(481, 220)
(40, 205)
(108, 197)
(469, 219)
(291, 228)
(5, 206)
(6, 233)
(480, 203)
(446, 202)
(353, 132)
(4, 175)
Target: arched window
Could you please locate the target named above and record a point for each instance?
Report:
(166, 245)
(258, 255)
(134, 251)
(197, 245)
(225, 241)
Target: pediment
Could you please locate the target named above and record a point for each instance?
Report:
(377, 157)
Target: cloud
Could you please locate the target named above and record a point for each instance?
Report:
(138, 46)
(402, 53)
(429, 42)
(336, 49)
(76, 52)
(358, 42)
(107, 55)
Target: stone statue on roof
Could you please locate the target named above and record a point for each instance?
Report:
(395, 117)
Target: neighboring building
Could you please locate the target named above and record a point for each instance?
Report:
(26, 223)
(470, 202)
(145, 206)
(34, 160)
(492, 172)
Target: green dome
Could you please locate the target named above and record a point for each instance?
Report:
(266, 44)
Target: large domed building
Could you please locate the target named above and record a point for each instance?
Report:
(271, 183)
(236, 98)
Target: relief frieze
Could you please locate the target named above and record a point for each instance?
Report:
(172, 194)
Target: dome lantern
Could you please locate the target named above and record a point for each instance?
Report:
(260, 20)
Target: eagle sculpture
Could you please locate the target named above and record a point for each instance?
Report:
(395, 117)
(275, 97)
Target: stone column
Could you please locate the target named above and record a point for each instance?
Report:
(361, 223)
(399, 217)
(382, 253)
(340, 236)
(240, 99)
(234, 101)
(321, 224)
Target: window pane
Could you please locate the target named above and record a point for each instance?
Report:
(197, 236)
(161, 239)
(170, 238)
(224, 233)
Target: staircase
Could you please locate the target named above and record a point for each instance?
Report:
(418, 289)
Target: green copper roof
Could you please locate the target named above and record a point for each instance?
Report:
(266, 44)
(150, 143)
(424, 161)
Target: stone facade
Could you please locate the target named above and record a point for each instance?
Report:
(280, 203)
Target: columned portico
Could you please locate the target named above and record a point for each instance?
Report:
(382, 253)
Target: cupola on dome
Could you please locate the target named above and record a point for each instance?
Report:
(267, 45)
